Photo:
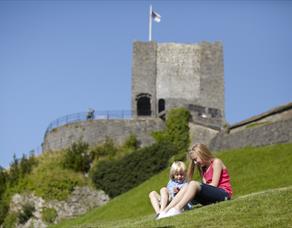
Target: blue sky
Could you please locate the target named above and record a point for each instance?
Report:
(62, 57)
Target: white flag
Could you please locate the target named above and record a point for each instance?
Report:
(156, 17)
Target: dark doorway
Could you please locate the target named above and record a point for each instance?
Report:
(143, 105)
(161, 105)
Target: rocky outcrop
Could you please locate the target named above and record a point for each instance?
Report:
(80, 201)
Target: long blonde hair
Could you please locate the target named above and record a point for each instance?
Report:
(204, 153)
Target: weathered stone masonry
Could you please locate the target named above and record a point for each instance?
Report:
(171, 75)
(95, 132)
(271, 127)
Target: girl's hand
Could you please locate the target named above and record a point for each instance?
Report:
(176, 189)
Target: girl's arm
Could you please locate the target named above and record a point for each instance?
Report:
(217, 170)
(170, 186)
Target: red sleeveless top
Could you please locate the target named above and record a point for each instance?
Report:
(224, 180)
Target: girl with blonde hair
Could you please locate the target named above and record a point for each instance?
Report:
(177, 181)
(215, 186)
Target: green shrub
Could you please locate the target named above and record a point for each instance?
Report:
(14, 171)
(26, 213)
(118, 176)
(54, 184)
(77, 157)
(177, 129)
(19, 168)
(49, 215)
(3, 210)
(26, 164)
(106, 150)
(131, 142)
(130, 145)
(10, 221)
(3, 181)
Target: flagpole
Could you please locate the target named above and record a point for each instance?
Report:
(150, 23)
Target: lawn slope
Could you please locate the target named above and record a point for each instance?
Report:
(252, 170)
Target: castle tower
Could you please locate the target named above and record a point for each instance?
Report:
(171, 75)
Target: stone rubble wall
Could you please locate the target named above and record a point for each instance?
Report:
(80, 201)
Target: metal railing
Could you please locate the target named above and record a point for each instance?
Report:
(91, 115)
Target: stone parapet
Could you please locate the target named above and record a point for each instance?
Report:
(95, 132)
(256, 135)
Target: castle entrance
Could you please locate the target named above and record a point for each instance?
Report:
(144, 105)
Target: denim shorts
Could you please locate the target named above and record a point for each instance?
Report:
(210, 194)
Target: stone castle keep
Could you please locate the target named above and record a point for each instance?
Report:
(171, 75)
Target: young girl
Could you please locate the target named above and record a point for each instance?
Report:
(216, 185)
(177, 181)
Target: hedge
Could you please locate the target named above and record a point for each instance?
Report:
(118, 176)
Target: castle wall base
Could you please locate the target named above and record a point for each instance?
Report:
(94, 132)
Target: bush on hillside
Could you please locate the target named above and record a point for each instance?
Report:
(106, 150)
(177, 129)
(3, 210)
(19, 168)
(131, 142)
(118, 176)
(77, 157)
(3, 181)
(130, 145)
(26, 164)
(14, 171)
(53, 184)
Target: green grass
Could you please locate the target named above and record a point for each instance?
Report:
(252, 170)
(257, 124)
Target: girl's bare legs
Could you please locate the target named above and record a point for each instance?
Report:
(193, 188)
(177, 198)
(164, 198)
(155, 201)
(184, 196)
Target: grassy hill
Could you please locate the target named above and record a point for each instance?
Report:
(262, 184)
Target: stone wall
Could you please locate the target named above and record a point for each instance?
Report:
(179, 75)
(201, 134)
(212, 76)
(80, 201)
(95, 132)
(257, 135)
(280, 113)
(144, 73)
(178, 71)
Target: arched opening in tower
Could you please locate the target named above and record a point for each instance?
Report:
(144, 105)
(161, 105)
